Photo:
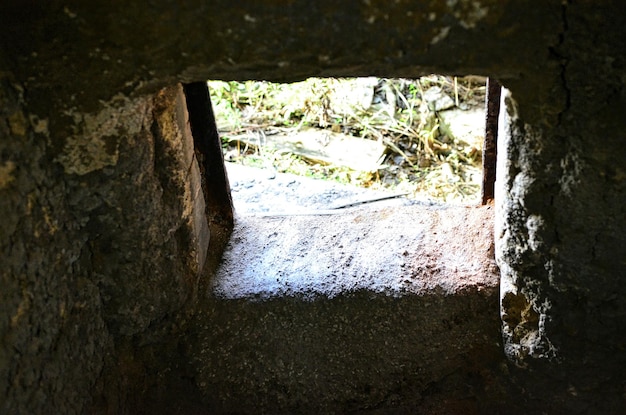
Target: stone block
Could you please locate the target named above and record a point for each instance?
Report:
(363, 309)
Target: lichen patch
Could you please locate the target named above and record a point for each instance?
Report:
(97, 144)
(6, 174)
(468, 12)
(17, 123)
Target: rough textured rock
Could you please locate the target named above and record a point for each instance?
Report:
(351, 353)
(353, 311)
(393, 251)
(46, 293)
(98, 237)
(100, 244)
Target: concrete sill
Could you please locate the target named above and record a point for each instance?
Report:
(390, 308)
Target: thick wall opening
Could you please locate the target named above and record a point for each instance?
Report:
(325, 203)
(422, 109)
(302, 287)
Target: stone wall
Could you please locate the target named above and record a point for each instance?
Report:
(97, 243)
(100, 250)
(561, 220)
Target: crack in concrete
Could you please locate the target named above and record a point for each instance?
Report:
(565, 60)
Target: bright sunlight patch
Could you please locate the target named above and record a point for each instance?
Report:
(429, 131)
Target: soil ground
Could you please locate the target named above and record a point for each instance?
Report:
(265, 191)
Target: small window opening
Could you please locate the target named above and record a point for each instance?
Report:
(415, 139)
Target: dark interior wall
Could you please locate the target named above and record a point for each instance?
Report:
(51, 309)
(88, 258)
(562, 215)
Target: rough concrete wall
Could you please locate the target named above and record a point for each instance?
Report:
(81, 236)
(79, 191)
(78, 53)
(52, 312)
(562, 246)
(354, 353)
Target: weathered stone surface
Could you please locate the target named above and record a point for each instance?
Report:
(273, 40)
(44, 295)
(395, 251)
(366, 308)
(355, 352)
(78, 249)
(466, 125)
(90, 186)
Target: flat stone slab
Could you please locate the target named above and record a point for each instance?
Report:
(393, 309)
(465, 125)
(326, 147)
(393, 250)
